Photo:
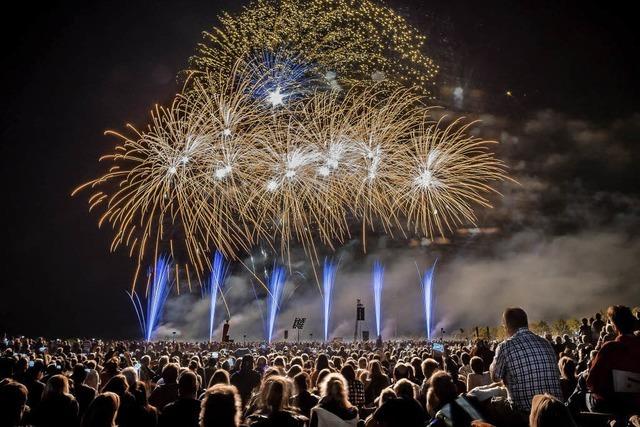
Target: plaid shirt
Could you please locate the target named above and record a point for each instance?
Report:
(356, 393)
(527, 364)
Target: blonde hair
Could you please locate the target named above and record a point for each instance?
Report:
(334, 388)
(546, 410)
(275, 393)
(221, 407)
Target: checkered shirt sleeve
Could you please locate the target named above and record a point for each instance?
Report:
(527, 364)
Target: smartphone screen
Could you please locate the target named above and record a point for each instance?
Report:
(439, 347)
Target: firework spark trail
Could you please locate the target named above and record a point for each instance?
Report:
(157, 293)
(378, 282)
(137, 306)
(328, 280)
(277, 281)
(427, 295)
(219, 272)
(160, 287)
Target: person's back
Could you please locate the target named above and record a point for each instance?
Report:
(143, 414)
(220, 407)
(59, 410)
(58, 407)
(277, 419)
(167, 392)
(400, 412)
(403, 411)
(525, 362)
(118, 384)
(13, 403)
(327, 415)
(82, 392)
(378, 381)
(34, 385)
(246, 379)
(102, 411)
(477, 380)
(334, 410)
(304, 400)
(185, 410)
(274, 410)
(597, 327)
(182, 412)
(84, 395)
(615, 366)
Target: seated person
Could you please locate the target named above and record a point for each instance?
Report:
(477, 377)
(615, 366)
(527, 365)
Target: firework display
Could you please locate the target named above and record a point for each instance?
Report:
(328, 281)
(335, 42)
(277, 283)
(377, 282)
(426, 284)
(257, 150)
(219, 271)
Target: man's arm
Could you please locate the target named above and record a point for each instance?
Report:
(498, 368)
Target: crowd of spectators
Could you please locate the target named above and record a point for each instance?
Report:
(591, 377)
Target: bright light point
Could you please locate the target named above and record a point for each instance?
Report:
(272, 185)
(458, 92)
(378, 76)
(172, 170)
(222, 172)
(275, 98)
(324, 171)
(184, 159)
(426, 180)
(290, 173)
(226, 132)
(509, 93)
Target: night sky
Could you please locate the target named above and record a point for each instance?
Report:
(72, 70)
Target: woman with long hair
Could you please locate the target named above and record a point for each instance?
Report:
(221, 407)
(568, 379)
(118, 384)
(547, 411)
(334, 409)
(274, 409)
(322, 362)
(102, 411)
(355, 386)
(58, 407)
(143, 414)
(376, 382)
